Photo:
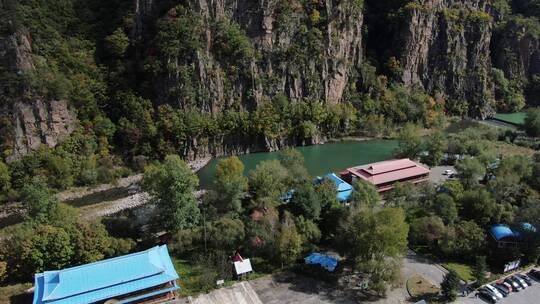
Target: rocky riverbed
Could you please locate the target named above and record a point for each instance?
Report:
(13, 212)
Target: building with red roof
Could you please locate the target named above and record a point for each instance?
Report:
(383, 175)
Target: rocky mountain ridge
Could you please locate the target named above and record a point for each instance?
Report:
(193, 56)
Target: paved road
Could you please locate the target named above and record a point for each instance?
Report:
(414, 264)
(531, 295)
(285, 290)
(288, 288)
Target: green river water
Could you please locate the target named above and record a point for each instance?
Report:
(320, 159)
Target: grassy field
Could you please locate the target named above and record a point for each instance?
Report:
(507, 149)
(517, 118)
(462, 270)
(193, 279)
(417, 285)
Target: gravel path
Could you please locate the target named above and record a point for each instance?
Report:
(112, 207)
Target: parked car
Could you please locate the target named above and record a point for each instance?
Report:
(508, 286)
(486, 296)
(448, 172)
(525, 278)
(494, 291)
(520, 281)
(502, 289)
(535, 274)
(515, 285)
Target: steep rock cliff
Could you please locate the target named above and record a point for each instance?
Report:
(211, 57)
(297, 50)
(444, 47)
(516, 51)
(27, 121)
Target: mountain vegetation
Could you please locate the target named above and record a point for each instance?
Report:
(92, 90)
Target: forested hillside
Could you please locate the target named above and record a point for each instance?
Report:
(90, 88)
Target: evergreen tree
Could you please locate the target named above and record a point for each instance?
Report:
(364, 194)
(532, 122)
(446, 208)
(172, 186)
(410, 143)
(289, 241)
(268, 179)
(450, 285)
(306, 202)
(435, 146)
(376, 242)
(39, 202)
(470, 170)
(5, 178)
(479, 270)
(230, 184)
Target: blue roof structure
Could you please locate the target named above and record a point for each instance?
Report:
(528, 227)
(107, 279)
(500, 232)
(344, 190)
(327, 262)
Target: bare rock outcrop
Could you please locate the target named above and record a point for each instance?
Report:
(445, 47)
(40, 122)
(28, 120)
(276, 33)
(516, 51)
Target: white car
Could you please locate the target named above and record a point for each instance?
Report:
(494, 290)
(520, 281)
(448, 172)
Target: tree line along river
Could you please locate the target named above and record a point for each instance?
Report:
(319, 159)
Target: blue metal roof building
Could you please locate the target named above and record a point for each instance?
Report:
(502, 232)
(128, 279)
(505, 236)
(344, 190)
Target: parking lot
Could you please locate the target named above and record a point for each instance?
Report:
(530, 295)
(437, 174)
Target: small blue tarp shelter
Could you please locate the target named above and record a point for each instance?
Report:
(131, 277)
(344, 190)
(327, 262)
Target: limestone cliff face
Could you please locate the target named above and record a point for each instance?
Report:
(516, 51)
(142, 17)
(28, 121)
(446, 48)
(38, 123)
(283, 63)
(16, 51)
(300, 49)
(442, 45)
